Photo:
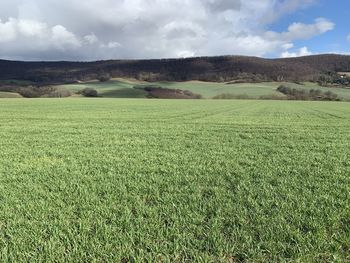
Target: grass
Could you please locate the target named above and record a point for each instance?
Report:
(116, 88)
(9, 95)
(123, 88)
(108, 180)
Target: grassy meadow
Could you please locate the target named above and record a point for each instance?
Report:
(123, 88)
(134, 180)
(9, 95)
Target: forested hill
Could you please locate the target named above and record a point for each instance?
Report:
(223, 68)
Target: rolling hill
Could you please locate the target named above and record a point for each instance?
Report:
(211, 69)
(124, 88)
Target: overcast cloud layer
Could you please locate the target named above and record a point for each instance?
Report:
(110, 29)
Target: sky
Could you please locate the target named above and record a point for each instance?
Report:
(77, 30)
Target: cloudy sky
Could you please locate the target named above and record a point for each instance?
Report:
(118, 29)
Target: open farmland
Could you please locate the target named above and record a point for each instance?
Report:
(123, 88)
(96, 180)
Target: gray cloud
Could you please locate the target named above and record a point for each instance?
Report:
(107, 29)
(224, 5)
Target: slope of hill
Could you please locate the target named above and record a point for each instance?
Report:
(124, 88)
(217, 69)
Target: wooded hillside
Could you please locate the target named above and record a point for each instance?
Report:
(224, 68)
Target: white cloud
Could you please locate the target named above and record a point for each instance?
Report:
(111, 45)
(287, 46)
(306, 31)
(12, 28)
(22, 29)
(62, 37)
(301, 52)
(300, 31)
(31, 28)
(348, 38)
(91, 38)
(107, 29)
(185, 54)
(8, 30)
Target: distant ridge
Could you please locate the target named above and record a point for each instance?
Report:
(221, 68)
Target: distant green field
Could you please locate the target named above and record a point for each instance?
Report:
(121, 88)
(9, 95)
(136, 180)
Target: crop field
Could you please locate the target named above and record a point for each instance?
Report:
(135, 180)
(123, 88)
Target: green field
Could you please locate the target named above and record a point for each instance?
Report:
(9, 95)
(109, 180)
(123, 88)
